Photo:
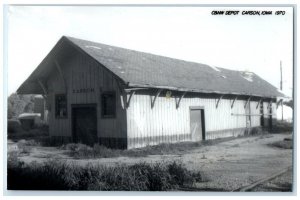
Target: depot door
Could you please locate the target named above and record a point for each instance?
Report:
(197, 124)
(84, 124)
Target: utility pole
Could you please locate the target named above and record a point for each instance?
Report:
(280, 75)
(281, 90)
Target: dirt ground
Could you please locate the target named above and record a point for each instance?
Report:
(226, 166)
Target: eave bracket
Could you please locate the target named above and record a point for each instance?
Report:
(232, 104)
(218, 101)
(128, 100)
(154, 99)
(178, 102)
(280, 102)
(258, 103)
(246, 104)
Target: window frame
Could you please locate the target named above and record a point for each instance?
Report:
(113, 93)
(56, 106)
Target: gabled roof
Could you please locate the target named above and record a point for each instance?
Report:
(138, 69)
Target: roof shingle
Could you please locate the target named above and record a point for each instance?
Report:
(148, 70)
(138, 69)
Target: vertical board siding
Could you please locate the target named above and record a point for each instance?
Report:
(81, 72)
(165, 123)
(255, 119)
(274, 111)
(139, 124)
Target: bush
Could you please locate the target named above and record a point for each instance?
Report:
(35, 137)
(31, 134)
(181, 175)
(54, 175)
(282, 126)
(285, 144)
(14, 126)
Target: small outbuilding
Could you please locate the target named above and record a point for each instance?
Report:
(122, 98)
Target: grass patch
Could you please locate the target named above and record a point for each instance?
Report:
(78, 150)
(54, 175)
(284, 144)
(266, 136)
(81, 151)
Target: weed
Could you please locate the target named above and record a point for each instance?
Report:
(98, 151)
(13, 160)
(256, 131)
(58, 175)
(24, 146)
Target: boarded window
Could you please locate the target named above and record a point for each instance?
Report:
(108, 104)
(60, 106)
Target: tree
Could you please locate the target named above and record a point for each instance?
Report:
(17, 104)
(289, 103)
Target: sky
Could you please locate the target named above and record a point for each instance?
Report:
(239, 42)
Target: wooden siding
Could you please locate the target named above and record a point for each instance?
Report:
(255, 114)
(165, 123)
(140, 125)
(81, 72)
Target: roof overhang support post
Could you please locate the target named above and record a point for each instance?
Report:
(178, 102)
(218, 101)
(58, 67)
(248, 100)
(279, 102)
(232, 104)
(154, 99)
(258, 103)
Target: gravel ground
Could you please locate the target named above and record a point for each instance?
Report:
(226, 166)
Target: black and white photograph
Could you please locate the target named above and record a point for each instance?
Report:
(145, 98)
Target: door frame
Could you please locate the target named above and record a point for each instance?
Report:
(89, 105)
(248, 115)
(202, 112)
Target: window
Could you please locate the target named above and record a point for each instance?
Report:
(108, 104)
(60, 106)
